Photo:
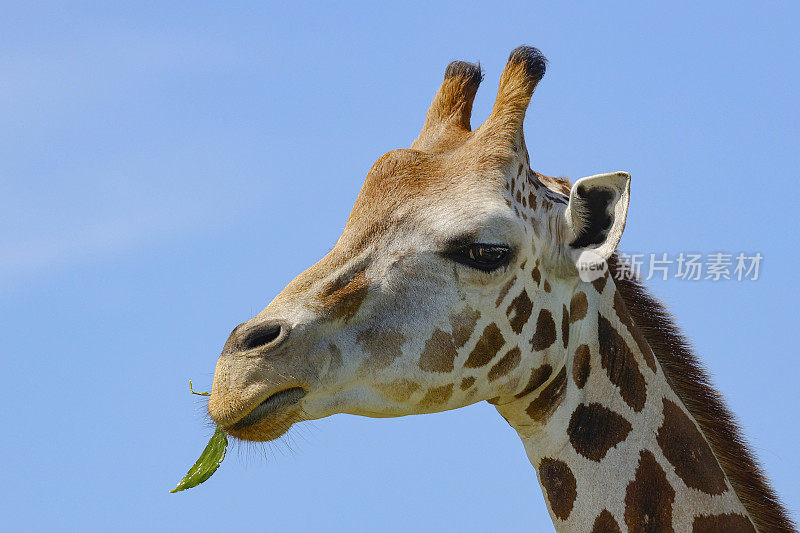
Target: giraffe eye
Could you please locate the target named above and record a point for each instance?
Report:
(485, 257)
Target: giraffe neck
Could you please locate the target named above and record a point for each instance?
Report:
(613, 445)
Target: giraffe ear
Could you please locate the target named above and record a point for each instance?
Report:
(596, 213)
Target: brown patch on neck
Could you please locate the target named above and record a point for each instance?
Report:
(580, 366)
(594, 429)
(600, 283)
(486, 348)
(620, 365)
(727, 523)
(545, 334)
(506, 364)
(605, 523)
(649, 498)
(686, 449)
(690, 382)
(539, 377)
(578, 306)
(638, 337)
(550, 398)
(559, 485)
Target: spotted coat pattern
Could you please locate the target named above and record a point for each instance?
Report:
(592, 402)
(563, 362)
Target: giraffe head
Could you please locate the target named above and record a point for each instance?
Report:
(449, 285)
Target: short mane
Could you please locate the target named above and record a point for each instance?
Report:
(689, 380)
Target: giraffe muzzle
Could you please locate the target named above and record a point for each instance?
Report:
(269, 408)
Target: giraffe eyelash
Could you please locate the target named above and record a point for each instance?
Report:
(481, 256)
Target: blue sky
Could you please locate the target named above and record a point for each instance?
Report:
(165, 170)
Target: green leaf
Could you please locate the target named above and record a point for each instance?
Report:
(208, 462)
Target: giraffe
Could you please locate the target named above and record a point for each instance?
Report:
(456, 280)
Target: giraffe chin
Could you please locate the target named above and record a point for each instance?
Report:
(271, 418)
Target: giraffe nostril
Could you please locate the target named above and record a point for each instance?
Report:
(266, 335)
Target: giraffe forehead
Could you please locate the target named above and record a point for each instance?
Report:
(407, 185)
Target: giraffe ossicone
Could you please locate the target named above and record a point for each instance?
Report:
(462, 275)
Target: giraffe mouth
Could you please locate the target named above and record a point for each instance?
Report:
(269, 407)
